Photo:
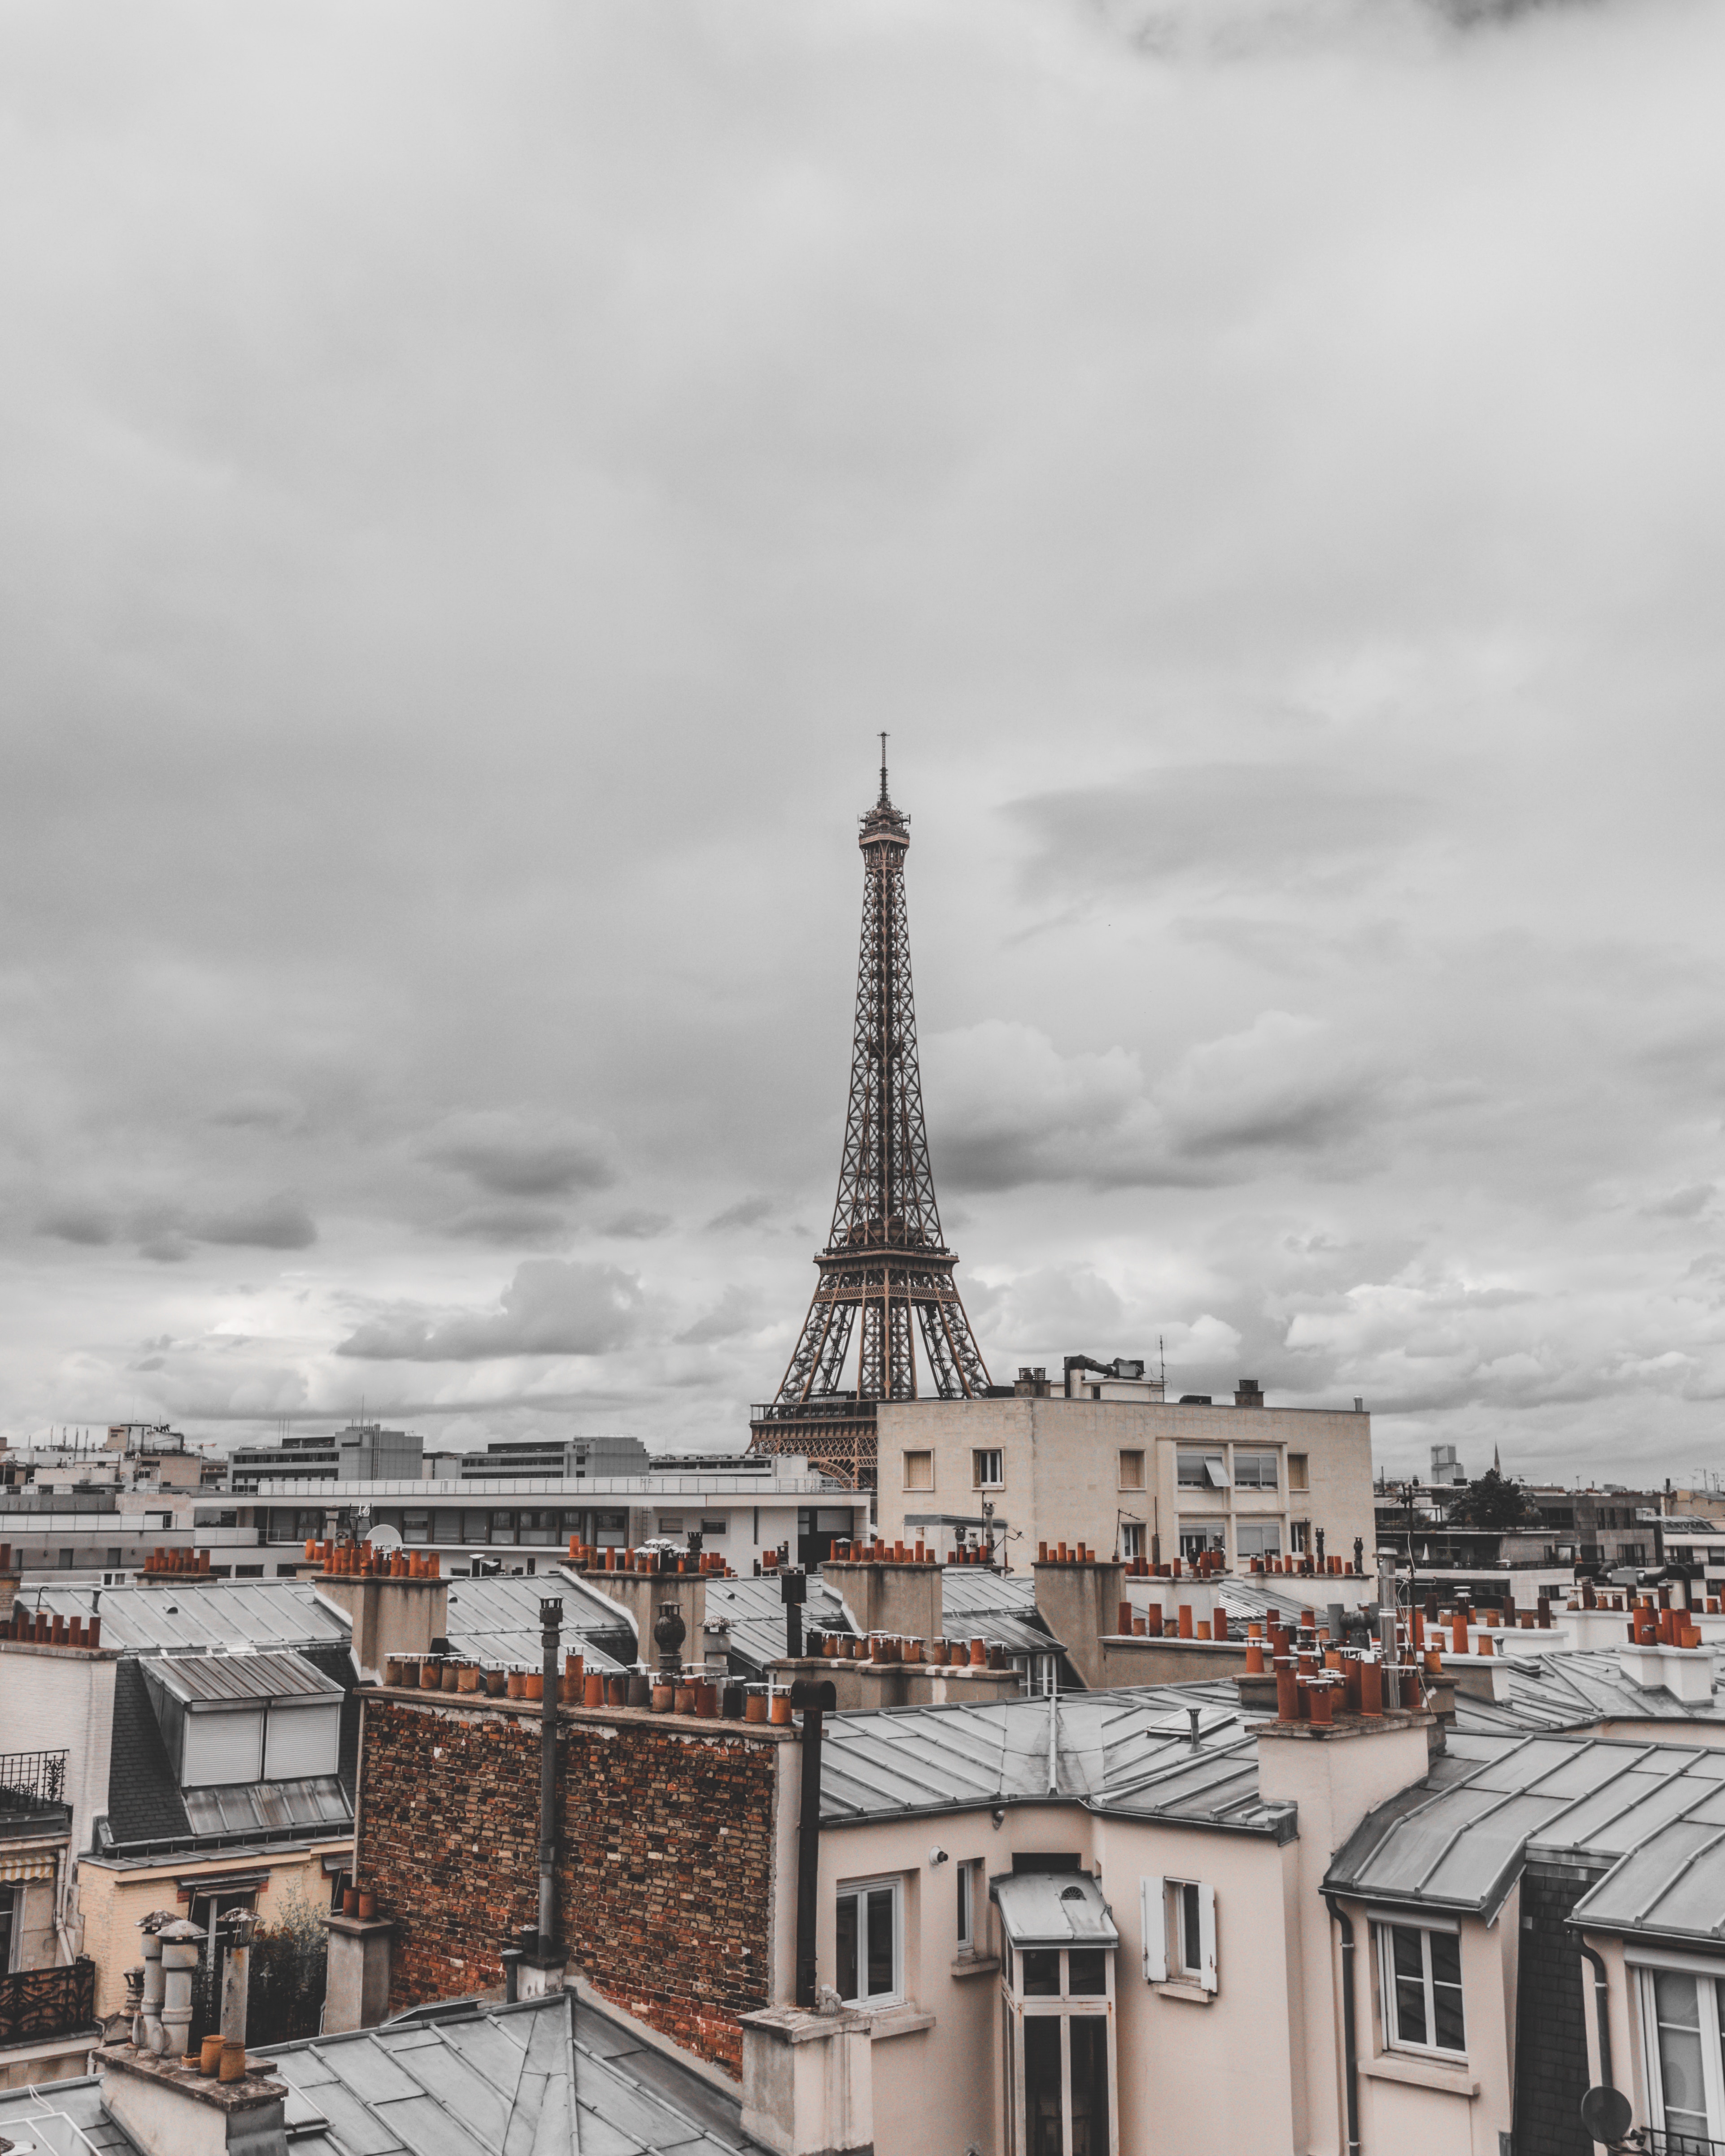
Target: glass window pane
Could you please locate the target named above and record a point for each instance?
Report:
(1445, 1956)
(963, 1877)
(881, 1978)
(1678, 2007)
(1086, 1972)
(1407, 1948)
(1010, 2106)
(1040, 1970)
(1447, 2031)
(1090, 2084)
(1042, 2086)
(1191, 1952)
(846, 1957)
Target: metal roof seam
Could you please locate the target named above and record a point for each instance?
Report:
(1682, 1870)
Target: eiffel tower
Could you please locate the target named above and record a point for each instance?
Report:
(886, 1261)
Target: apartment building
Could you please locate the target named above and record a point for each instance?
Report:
(528, 1521)
(1122, 1471)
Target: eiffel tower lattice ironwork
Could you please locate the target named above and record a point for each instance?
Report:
(885, 1263)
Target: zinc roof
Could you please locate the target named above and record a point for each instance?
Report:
(181, 1618)
(1455, 1839)
(1572, 1690)
(545, 2078)
(1128, 1752)
(227, 1680)
(496, 1620)
(1054, 1909)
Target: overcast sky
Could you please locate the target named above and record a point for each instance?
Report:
(476, 478)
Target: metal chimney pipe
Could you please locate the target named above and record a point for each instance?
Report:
(814, 1699)
(237, 1976)
(550, 1623)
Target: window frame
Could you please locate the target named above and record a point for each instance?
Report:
(1384, 1930)
(1212, 1466)
(1258, 1457)
(1163, 1906)
(1643, 1971)
(1301, 1479)
(858, 1890)
(925, 1456)
(1132, 1539)
(964, 1885)
(1127, 1480)
(979, 1478)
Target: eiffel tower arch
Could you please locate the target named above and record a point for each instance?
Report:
(885, 1274)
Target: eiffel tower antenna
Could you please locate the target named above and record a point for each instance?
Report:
(886, 1261)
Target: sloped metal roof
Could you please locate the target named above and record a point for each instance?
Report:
(1673, 1885)
(1128, 1751)
(545, 2078)
(1561, 1691)
(179, 1617)
(229, 1680)
(1053, 1909)
(496, 1621)
(970, 1588)
(315, 1802)
(1455, 1839)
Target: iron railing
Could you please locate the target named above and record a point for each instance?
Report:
(32, 1781)
(1659, 2143)
(38, 2003)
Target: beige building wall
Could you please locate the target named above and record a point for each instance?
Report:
(1194, 2069)
(1064, 1477)
(61, 1699)
(115, 1895)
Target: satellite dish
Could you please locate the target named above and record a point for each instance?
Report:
(1605, 2114)
(384, 1536)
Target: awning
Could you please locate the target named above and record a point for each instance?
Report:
(38, 1865)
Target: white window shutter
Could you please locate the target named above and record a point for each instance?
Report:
(1206, 1936)
(1152, 1902)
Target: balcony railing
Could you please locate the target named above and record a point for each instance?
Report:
(1662, 2143)
(32, 1780)
(37, 2005)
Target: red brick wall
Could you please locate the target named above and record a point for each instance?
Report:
(666, 1874)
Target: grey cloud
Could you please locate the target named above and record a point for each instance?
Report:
(745, 1213)
(551, 1307)
(280, 1223)
(517, 1159)
(636, 1227)
(1009, 1109)
(78, 1224)
(736, 1312)
(519, 1223)
(1227, 826)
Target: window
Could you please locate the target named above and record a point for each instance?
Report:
(1180, 1921)
(8, 1905)
(1199, 1536)
(1200, 1471)
(113, 1557)
(919, 1470)
(1132, 1471)
(709, 1528)
(1419, 1972)
(1681, 2021)
(670, 1523)
(1299, 1474)
(1254, 1471)
(1132, 1539)
(868, 1942)
(1299, 1537)
(1258, 1539)
(989, 1470)
(967, 1908)
(66, 1557)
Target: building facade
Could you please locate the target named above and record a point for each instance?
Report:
(1140, 1477)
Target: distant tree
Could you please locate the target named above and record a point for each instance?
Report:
(1492, 1501)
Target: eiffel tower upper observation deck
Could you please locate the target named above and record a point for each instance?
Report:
(885, 1260)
